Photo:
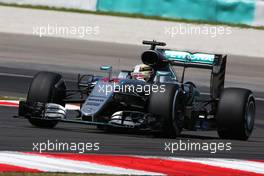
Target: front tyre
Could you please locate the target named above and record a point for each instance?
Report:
(236, 114)
(167, 106)
(46, 87)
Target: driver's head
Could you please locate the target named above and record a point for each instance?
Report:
(142, 72)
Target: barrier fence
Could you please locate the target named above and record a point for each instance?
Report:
(249, 12)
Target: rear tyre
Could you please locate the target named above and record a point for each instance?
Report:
(46, 87)
(167, 107)
(236, 114)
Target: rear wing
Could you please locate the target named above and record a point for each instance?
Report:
(214, 62)
(188, 59)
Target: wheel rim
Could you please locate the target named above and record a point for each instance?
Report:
(177, 116)
(249, 116)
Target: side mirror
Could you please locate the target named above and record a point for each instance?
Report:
(109, 69)
(163, 73)
(105, 68)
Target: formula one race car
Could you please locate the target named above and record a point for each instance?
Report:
(149, 98)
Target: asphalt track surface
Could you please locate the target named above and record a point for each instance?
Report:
(22, 56)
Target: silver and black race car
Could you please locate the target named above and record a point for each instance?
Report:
(164, 103)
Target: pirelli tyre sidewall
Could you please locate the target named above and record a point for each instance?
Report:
(46, 87)
(236, 114)
(167, 107)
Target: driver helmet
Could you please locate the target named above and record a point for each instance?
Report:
(142, 72)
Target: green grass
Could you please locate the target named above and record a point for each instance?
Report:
(132, 16)
(48, 174)
(10, 98)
